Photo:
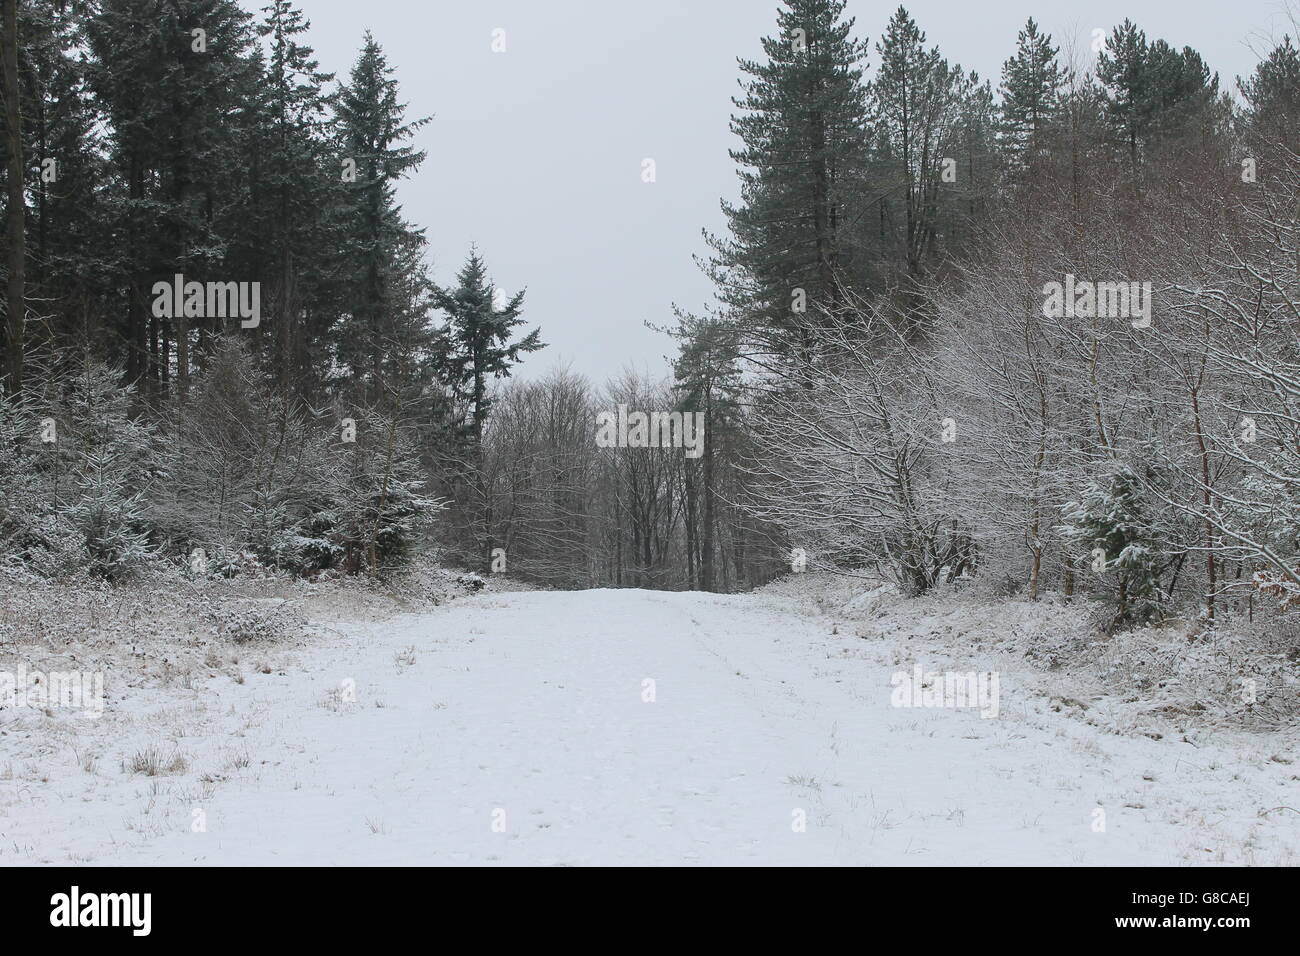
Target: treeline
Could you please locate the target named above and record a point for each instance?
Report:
(1044, 336)
(221, 334)
(1050, 338)
(567, 512)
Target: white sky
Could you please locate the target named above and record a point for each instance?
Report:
(535, 154)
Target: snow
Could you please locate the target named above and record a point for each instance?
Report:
(529, 710)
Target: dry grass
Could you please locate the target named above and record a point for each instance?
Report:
(153, 762)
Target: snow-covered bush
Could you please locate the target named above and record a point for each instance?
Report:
(379, 506)
(80, 469)
(1113, 524)
(236, 470)
(257, 475)
(247, 621)
(471, 582)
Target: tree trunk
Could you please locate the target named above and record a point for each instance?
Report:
(706, 542)
(15, 294)
(1207, 501)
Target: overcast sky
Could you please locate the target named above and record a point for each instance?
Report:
(535, 154)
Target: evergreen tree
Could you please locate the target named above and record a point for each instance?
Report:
(479, 333)
(382, 505)
(289, 199)
(1184, 96)
(801, 125)
(1272, 95)
(170, 95)
(1126, 85)
(478, 349)
(24, 501)
(1030, 90)
(1113, 521)
(99, 473)
(976, 157)
(67, 269)
(372, 133)
(15, 206)
(1155, 93)
(916, 101)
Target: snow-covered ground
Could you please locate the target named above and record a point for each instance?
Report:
(521, 728)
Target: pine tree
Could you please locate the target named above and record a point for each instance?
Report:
(1272, 95)
(801, 125)
(290, 195)
(203, 86)
(1030, 90)
(1153, 92)
(70, 258)
(382, 503)
(480, 328)
(1184, 96)
(1113, 521)
(975, 154)
(101, 471)
(169, 94)
(916, 101)
(24, 501)
(372, 133)
(1122, 67)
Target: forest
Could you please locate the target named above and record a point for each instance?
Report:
(1038, 331)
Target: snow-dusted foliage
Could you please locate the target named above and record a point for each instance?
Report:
(1112, 522)
(81, 470)
(843, 457)
(1149, 460)
(234, 481)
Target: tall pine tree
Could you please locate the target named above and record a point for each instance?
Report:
(802, 128)
(373, 136)
(1031, 90)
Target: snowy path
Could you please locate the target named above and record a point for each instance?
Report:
(531, 704)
